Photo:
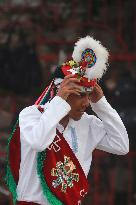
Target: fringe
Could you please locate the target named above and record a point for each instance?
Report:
(46, 191)
(9, 179)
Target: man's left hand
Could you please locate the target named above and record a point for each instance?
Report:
(96, 94)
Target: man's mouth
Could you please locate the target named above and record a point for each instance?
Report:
(81, 111)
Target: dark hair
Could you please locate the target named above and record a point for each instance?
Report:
(58, 73)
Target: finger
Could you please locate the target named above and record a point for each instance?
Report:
(74, 86)
(97, 85)
(71, 80)
(74, 92)
(69, 76)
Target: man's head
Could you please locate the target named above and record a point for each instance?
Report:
(77, 99)
(77, 96)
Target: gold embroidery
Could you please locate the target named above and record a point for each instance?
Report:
(64, 174)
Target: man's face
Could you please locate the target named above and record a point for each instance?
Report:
(78, 104)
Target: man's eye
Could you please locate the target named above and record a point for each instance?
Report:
(82, 94)
(89, 97)
(89, 94)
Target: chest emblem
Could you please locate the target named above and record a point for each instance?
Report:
(65, 175)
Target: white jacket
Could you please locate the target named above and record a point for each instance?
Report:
(39, 129)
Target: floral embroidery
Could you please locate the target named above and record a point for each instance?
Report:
(64, 174)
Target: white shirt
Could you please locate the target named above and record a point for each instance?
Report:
(38, 130)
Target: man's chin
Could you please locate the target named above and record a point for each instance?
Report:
(77, 117)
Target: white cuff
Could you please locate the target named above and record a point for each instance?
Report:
(101, 105)
(61, 103)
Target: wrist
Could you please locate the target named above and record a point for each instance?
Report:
(64, 96)
(96, 99)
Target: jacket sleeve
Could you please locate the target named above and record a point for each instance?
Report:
(110, 129)
(39, 129)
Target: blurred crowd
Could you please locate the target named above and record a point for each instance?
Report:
(36, 36)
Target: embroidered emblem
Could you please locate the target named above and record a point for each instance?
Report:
(89, 56)
(83, 193)
(54, 145)
(64, 174)
(79, 202)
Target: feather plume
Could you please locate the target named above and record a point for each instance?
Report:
(102, 54)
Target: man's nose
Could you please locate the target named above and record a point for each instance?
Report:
(86, 101)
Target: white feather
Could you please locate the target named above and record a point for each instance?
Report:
(99, 68)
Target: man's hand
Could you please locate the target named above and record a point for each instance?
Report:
(69, 86)
(96, 94)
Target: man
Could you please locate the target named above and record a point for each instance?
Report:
(57, 138)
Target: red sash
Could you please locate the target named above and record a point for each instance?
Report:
(63, 172)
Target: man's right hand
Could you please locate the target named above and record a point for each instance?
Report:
(69, 86)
